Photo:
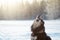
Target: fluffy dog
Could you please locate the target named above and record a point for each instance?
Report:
(38, 30)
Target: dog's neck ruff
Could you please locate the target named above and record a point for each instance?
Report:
(41, 31)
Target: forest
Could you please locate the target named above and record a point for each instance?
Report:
(29, 9)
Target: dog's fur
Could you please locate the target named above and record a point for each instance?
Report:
(38, 30)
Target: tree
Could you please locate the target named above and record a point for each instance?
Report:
(53, 9)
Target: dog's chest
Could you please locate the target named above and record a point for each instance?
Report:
(34, 38)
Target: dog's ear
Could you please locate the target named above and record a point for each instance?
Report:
(39, 17)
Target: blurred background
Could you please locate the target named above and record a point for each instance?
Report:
(29, 9)
(17, 16)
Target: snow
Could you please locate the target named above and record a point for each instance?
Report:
(20, 30)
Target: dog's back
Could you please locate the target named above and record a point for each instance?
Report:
(43, 36)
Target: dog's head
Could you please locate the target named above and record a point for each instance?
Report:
(38, 22)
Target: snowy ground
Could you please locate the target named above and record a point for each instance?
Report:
(20, 30)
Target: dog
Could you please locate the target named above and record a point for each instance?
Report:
(38, 30)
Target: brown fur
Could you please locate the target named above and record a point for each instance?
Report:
(38, 30)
